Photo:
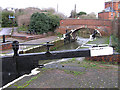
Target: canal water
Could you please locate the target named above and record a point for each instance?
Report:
(72, 45)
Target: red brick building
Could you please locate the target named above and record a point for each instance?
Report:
(108, 13)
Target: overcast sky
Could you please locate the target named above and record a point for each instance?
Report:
(64, 6)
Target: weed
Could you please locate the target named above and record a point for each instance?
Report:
(59, 35)
(22, 28)
(27, 83)
(69, 61)
(54, 48)
(75, 73)
(79, 62)
(44, 68)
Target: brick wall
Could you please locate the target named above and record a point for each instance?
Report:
(6, 46)
(106, 15)
(93, 22)
(90, 23)
(110, 58)
(115, 6)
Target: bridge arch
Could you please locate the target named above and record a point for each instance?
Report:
(103, 26)
(91, 30)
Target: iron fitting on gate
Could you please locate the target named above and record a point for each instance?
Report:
(15, 46)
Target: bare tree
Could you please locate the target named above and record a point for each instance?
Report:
(61, 15)
(51, 10)
(92, 15)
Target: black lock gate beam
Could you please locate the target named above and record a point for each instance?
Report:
(20, 64)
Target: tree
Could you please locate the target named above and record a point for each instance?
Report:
(50, 10)
(88, 16)
(6, 22)
(0, 16)
(73, 14)
(54, 21)
(81, 13)
(43, 23)
(61, 15)
(92, 15)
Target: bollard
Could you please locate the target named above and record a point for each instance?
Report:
(15, 46)
(3, 39)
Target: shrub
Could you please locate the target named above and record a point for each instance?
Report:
(116, 43)
(6, 22)
(43, 23)
(22, 28)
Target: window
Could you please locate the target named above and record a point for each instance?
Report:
(119, 14)
(118, 6)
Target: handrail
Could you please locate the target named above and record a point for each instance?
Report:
(35, 44)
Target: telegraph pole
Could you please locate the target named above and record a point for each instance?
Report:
(75, 10)
(57, 7)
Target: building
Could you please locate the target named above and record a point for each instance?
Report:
(111, 10)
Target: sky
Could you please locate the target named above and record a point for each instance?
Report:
(64, 6)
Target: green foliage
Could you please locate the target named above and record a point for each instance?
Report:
(73, 14)
(75, 73)
(116, 43)
(81, 13)
(53, 49)
(59, 35)
(43, 23)
(27, 83)
(69, 61)
(54, 21)
(6, 22)
(0, 17)
(22, 28)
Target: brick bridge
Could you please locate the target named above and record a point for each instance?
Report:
(103, 26)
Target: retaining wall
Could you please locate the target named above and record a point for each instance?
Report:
(115, 58)
(6, 46)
